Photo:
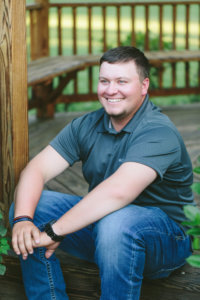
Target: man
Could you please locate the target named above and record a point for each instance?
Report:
(139, 176)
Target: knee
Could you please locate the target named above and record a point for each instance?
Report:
(122, 227)
(115, 229)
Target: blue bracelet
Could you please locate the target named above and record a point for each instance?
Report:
(22, 219)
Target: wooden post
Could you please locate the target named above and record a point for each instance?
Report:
(40, 31)
(40, 48)
(13, 98)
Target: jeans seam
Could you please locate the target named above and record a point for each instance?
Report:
(130, 293)
(49, 274)
(177, 237)
(164, 270)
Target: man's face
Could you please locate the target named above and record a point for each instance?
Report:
(120, 90)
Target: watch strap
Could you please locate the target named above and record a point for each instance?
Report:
(49, 231)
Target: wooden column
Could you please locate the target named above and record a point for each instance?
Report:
(40, 48)
(13, 98)
(40, 31)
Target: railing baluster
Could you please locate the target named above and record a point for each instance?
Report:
(89, 29)
(187, 67)
(90, 81)
(31, 14)
(59, 32)
(75, 45)
(74, 31)
(161, 27)
(104, 29)
(146, 46)
(174, 27)
(160, 69)
(133, 40)
(118, 26)
(174, 44)
(187, 27)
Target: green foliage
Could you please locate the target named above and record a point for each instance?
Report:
(193, 215)
(4, 246)
(153, 42)
(153, 46)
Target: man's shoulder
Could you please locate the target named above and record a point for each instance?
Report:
(156, 123)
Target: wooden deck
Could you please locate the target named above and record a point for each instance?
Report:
(82, 278)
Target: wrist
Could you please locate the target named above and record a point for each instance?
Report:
(49, 229)
(22, 218)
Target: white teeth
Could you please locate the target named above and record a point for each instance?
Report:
(114, 100)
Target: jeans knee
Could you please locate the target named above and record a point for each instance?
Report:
(125, 226)
(111, 234)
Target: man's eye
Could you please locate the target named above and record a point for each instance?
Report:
(103, 81)
(122, 81)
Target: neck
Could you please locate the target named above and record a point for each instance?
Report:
(119, 124)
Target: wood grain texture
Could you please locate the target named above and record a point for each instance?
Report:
(13, 98)
(19, 103)
(6, 151)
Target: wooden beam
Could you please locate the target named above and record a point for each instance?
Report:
(13, 98)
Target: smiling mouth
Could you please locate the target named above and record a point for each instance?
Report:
(114, 100)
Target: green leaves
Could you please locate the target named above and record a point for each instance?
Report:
(2, 269)
(193, 214)
(3, 230)
(4, 246)
(196, 187)
(196, 170)
(194, 260)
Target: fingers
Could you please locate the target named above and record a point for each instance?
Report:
(51, 248)
(36, 236)
(23, 233)
(49, 252)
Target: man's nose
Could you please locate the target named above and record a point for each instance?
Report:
(111, 88)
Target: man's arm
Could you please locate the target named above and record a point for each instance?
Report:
(46, 165)
(119, 190)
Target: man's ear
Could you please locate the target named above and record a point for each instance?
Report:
(145, 86)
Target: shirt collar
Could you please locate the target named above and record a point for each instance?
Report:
(106, 125)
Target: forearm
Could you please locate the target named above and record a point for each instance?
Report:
(100, 202)
(119, 190)
(28, 191)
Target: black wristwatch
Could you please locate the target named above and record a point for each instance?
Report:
(49, 231)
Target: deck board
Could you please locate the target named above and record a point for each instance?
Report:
(184, 285)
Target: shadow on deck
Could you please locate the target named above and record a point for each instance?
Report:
(81, 277)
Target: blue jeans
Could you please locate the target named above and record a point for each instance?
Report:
(127, 245)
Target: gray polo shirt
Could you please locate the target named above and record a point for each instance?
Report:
(149, 138)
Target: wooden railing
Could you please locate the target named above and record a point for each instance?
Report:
(132, 8)
(92, 28)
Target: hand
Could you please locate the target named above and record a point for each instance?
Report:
(46, 241)
(24, 235)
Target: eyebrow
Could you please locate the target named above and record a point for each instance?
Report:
(102, 77)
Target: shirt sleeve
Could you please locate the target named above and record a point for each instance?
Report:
(66, 142)
(158, 148)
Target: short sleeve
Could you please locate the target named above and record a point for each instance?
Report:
(66, 142)
(158, 148)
